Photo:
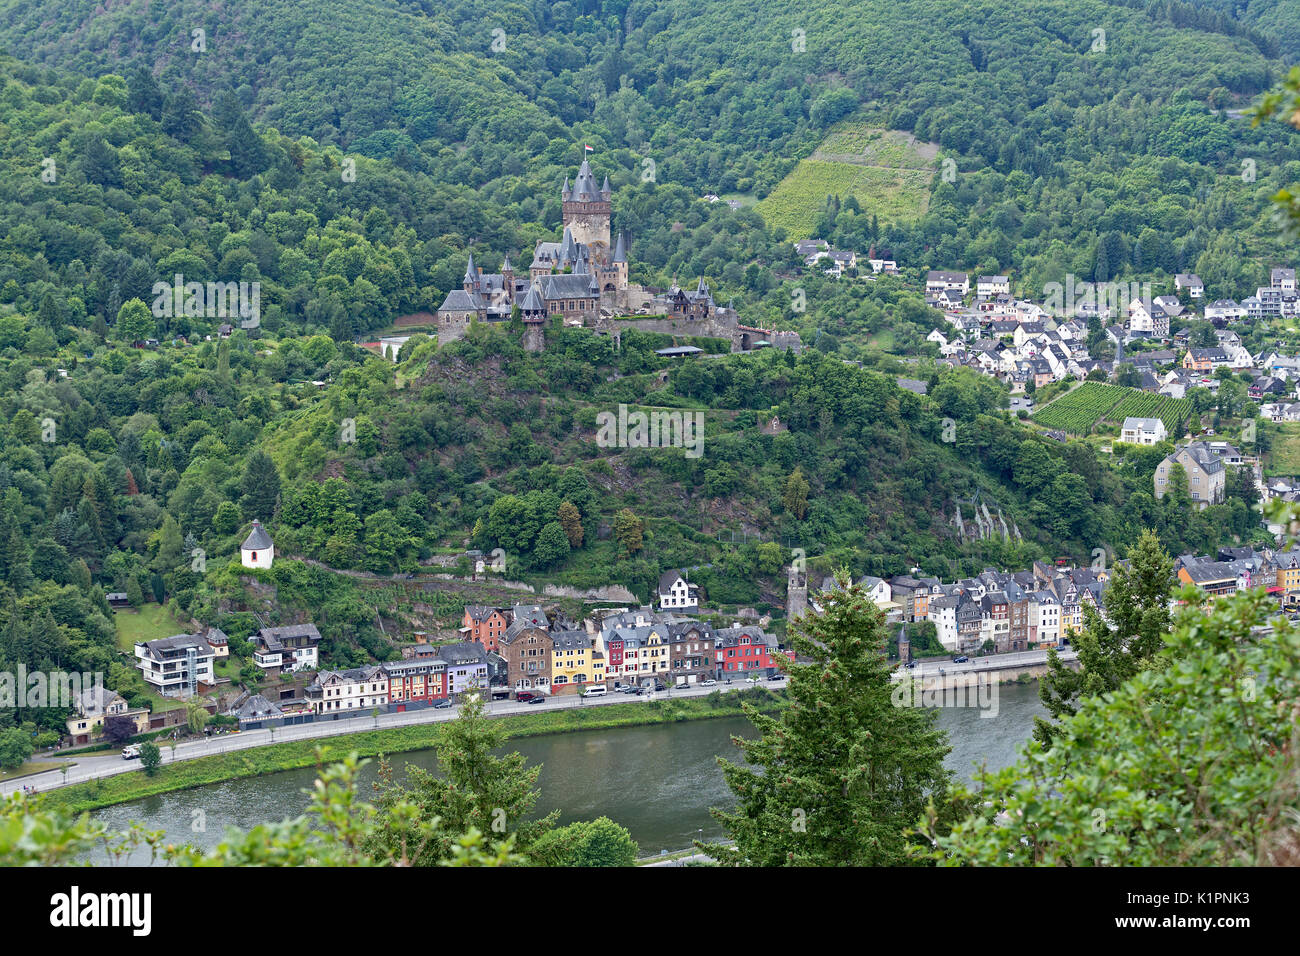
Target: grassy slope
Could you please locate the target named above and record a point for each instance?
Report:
(889, 174)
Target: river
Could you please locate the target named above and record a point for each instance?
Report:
(658, 780)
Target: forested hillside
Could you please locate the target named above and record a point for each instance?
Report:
(1089, 137)
(232, 163)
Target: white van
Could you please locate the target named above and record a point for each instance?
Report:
(599, 690)
(130, 753)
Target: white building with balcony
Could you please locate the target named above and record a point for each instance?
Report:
(175, 666)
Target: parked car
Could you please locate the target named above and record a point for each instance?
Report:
(708, 683)
(539, 699)
(525, 695)
(963, 659)
(777, 676)
(131, 753)
(442, 704)
(910, 665)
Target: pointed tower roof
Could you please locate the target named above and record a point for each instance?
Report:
(257, 540)
(564, 191)
(568, 247)
(584, 188)
(471, 275)
(506, 266)
(605, 190)
(533, 301)
(620, 249)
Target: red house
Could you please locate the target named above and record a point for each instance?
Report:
(418, 680)
(741, 651)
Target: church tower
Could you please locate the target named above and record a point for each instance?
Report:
(587, 211)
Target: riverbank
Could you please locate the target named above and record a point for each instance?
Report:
(293, 755)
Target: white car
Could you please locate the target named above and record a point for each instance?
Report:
(707, 683)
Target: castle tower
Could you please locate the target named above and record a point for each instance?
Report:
(586, 210)
(619, 262)
(796, 593)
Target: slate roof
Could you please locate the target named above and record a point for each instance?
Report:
(257, 540)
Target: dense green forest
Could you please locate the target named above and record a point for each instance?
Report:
(127, 156)
(1091, 138)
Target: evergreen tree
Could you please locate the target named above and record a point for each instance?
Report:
(260, 487)
(476, 789)
(839, 777)
(143, 93)
(1115, 647)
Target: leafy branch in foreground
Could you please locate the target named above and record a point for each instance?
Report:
(1194, 764)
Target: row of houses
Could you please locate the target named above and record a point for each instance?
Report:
(998, 610)
(1043, 606)
(1232, 570)
(535, 651)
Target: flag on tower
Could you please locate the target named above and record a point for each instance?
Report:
(589, 149)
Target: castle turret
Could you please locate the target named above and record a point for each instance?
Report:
(471, 275)
(533, 308)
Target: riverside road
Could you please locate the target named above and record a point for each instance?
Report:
(82, 768)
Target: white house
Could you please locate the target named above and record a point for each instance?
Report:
(362, 688)
(1225, 309)
(938, 280)
(284, 649)
(1191, 282)
(257, 551)
(988, 286)
(1143, 431)
(943, 611)
(878, 590)
(677, 594)
(175, 666)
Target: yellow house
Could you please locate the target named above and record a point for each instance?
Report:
(575, 662)
(93, 706)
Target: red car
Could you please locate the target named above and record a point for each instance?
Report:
(525, 695)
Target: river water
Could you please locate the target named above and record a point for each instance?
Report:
(658, 780)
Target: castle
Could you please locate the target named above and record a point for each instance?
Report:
(577, 278)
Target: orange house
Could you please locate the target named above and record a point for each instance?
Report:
(484, 625)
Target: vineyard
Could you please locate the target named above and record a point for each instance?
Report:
(1079, 411)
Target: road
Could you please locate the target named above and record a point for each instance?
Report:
(89, 767)
(992, 662)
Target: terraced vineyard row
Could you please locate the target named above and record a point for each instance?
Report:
(1079, 411)
(1172, 411)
